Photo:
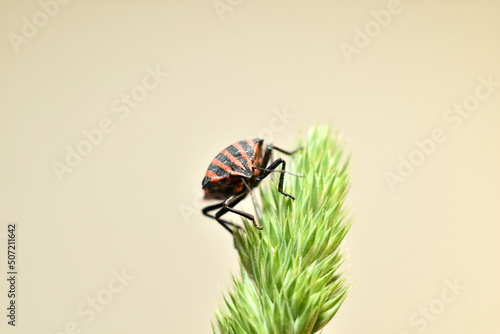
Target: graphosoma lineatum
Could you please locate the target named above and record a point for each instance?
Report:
(234, 172)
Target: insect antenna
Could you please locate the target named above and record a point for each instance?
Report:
(259, 216)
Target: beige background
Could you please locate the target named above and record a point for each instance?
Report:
(133, 203)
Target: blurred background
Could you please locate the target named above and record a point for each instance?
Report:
(111, 112)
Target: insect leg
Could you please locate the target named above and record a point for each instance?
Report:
(270, 169)
(268, 153)
(283, 151)
(232, 201)
(224, 223)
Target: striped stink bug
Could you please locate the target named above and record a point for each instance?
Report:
(233, 173)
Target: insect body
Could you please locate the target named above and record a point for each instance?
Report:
(234, 172)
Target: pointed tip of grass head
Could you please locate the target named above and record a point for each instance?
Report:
(290, 275)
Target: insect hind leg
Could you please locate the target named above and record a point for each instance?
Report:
(223, 222)
(228, 204)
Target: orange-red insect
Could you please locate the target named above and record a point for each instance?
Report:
(234, 172)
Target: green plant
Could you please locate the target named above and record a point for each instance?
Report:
(290, 280)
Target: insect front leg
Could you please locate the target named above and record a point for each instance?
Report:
(285, 152)
(270, 169)
(269, 151)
